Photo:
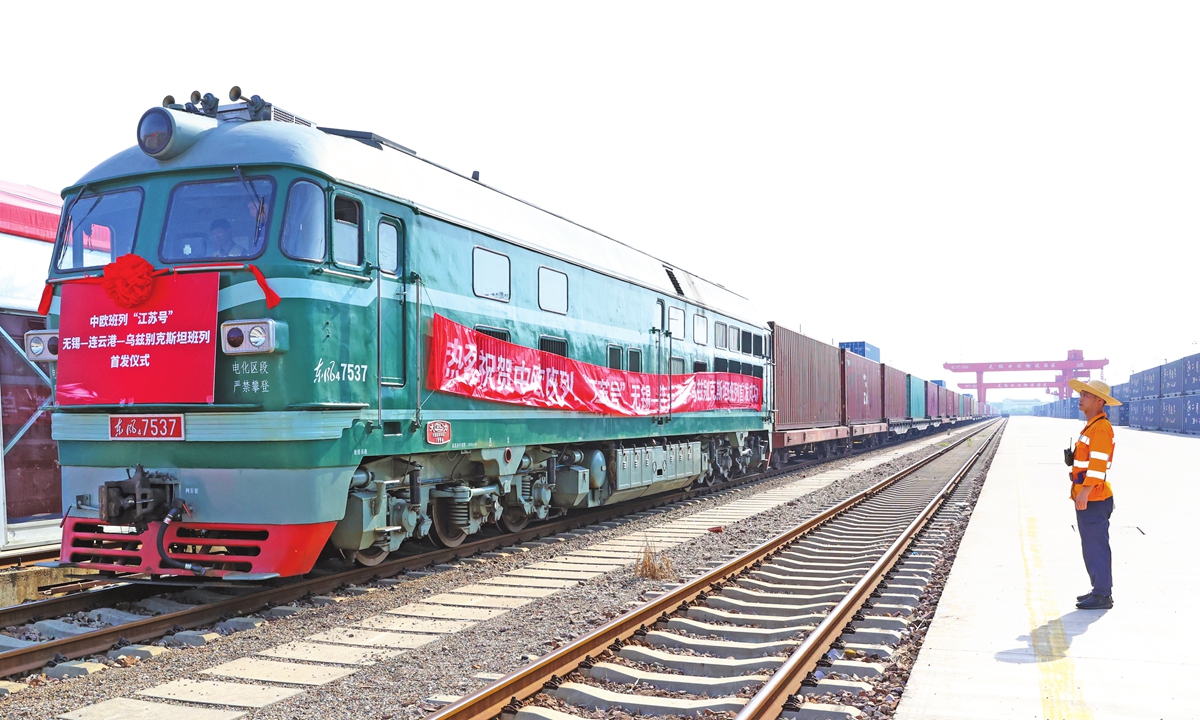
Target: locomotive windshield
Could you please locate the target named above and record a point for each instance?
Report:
(99, 229)
(217, 220)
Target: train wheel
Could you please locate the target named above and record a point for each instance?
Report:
(445, 534)
(513, 519)
(370, 557)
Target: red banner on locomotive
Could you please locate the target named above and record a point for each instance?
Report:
(469, 363)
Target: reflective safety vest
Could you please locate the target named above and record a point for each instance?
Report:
(1093, 458)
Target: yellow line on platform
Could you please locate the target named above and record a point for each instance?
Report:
(1062, 698)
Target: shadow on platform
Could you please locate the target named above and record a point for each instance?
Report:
(1050, 642)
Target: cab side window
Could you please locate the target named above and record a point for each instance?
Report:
(389, 247)
(347, 232)
(304, 223)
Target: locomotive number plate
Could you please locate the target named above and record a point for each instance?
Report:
(437, 432)
(145, 427)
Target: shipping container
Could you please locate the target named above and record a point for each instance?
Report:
(1171, 378)
(1170, 414)
(895, 393)
(864, 389)
(1135, 386)
(1144, 413)
(1191, 375)
(943, 405)
(808, 381)
(1115, 413)
(1191, 414)
(1150, 386)
(916, 397)
(1121, 392)
(931, 400)
(939, 383)
(859, 347)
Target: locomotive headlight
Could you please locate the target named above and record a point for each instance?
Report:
(42, 345)
(264, 336)
(163, 133)
(154, 131)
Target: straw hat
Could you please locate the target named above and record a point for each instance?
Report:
(1095, 387)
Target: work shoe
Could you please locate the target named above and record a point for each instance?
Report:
(1095, 602)
(1081, 598)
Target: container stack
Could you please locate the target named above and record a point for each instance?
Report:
(1164, 398)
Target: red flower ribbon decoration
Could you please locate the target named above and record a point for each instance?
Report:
(47, 298)
(271, 296)
(129, 280)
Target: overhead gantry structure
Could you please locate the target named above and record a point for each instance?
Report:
(1074, 367)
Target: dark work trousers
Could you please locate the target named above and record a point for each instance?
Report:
(1097, 556)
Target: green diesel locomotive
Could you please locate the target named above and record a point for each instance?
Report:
(271, 337)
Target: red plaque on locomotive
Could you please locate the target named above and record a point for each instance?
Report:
(145, 427)
(163, 350)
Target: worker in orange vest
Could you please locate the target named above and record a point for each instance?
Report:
(1091, 492)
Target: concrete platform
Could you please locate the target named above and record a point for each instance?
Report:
(1007, 641)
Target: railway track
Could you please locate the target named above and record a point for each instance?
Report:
(21, 558)
(255, 598)
(757, 634)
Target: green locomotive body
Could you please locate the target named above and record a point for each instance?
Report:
(320, 426)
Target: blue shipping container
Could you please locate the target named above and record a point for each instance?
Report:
(939, 383)
(1135, 386)
(1150, 385)
(865, 349)
(1171, 412)
(1171, 378)
(1191, 414)
(1121, 392)
(1191, 374)
(1114, 413)
(1144, 413)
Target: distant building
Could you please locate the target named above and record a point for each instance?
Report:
(1017, 407)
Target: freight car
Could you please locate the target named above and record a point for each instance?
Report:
(297, 338)
(828, 400)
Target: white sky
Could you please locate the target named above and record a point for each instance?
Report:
(947, 181)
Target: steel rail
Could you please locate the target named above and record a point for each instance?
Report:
(20, 558)
(121, 591)
(489, 701)
(778, 693)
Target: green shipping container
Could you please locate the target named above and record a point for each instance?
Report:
(916, 397)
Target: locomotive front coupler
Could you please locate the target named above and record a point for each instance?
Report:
(142, 498)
